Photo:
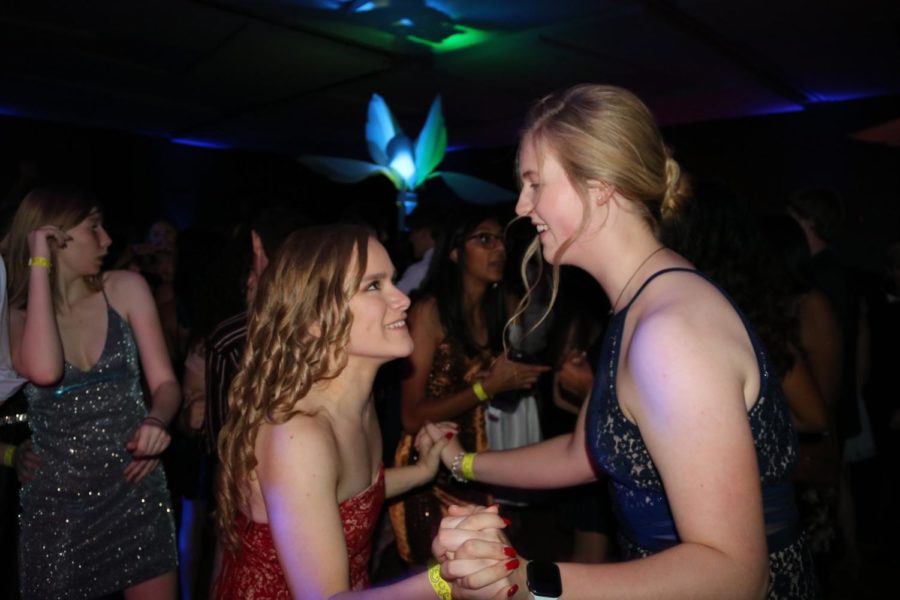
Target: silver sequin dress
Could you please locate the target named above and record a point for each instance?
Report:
(85, 530)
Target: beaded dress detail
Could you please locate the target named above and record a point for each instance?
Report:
(416, 515)
(254, 572)
(85, 530)
(639, 500)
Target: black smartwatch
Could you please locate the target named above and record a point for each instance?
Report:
(543, 580)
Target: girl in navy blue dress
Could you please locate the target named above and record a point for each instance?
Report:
(686, 416)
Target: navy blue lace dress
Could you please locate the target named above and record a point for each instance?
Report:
(645, 521)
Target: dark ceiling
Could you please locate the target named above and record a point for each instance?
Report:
(295, 76)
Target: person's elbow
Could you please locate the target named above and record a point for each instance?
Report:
(755, 576)
(41, 375)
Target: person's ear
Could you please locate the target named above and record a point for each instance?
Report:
(454, 255)
(260, 260)
(600, 192)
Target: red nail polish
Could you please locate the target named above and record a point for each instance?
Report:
(513, 564)
(512, 590)
(449, 435)
(506, 521)
(509, 552)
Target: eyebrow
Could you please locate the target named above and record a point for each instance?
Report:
(377, 276)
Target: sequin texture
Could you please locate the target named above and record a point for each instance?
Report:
(85, 530)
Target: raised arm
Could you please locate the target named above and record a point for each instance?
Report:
(36, 347)
(429, 442)
(417, 406)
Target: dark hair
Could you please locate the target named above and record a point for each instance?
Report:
(717, 231)
(427, 215)
(444, 282)
(275, 223)
(823, 207)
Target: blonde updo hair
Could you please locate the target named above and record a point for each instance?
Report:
(297, 335)
(605, 133)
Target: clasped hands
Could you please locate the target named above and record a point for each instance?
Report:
(476, 558)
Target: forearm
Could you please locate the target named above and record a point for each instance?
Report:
(401, 479)
(555, 463)
(445, 408)
(40, 354)
(688, 571)
(165, 401)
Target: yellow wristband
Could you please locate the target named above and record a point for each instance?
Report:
(468, 471)
(39, 261)
(480, 392)
(8, 455)
(441, 587)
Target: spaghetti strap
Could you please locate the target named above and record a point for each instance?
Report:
(654, 276)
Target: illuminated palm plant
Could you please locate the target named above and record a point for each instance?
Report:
(408, 165)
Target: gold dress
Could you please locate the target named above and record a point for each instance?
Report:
(416, 515)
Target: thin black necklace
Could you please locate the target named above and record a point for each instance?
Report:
(635, 272)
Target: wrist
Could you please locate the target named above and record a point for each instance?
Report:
(155, 421)
(40, 261)
(9, 456)
(481, 392)
(438, 584)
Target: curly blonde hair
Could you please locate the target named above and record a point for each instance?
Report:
(298, 331)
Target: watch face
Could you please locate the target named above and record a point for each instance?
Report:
(543, 579)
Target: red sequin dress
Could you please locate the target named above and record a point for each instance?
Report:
(254, 573)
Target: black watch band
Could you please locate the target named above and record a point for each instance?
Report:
(543, 580)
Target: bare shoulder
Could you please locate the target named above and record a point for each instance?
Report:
(124, 284)
(686, 328)
(425, 317)
(309, 436)
(816, 305)
(425, 310)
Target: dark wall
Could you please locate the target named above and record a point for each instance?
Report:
(763, 158)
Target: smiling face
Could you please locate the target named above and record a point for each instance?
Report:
(87, 246)
(483, 253)
(548, 199)
(378, 308)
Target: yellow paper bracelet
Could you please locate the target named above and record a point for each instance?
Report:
(480, 392)
(39, 261)
(467, 469)
(8, 455)
(441, 587)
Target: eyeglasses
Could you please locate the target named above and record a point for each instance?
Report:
(487, 240)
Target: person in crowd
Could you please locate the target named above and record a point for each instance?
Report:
(18, 457)
(686, 417)
(96, 517)
(302, 478)
(225, 345)
(424, 224)
(457, 366)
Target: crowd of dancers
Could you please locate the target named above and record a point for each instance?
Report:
(723, 369)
